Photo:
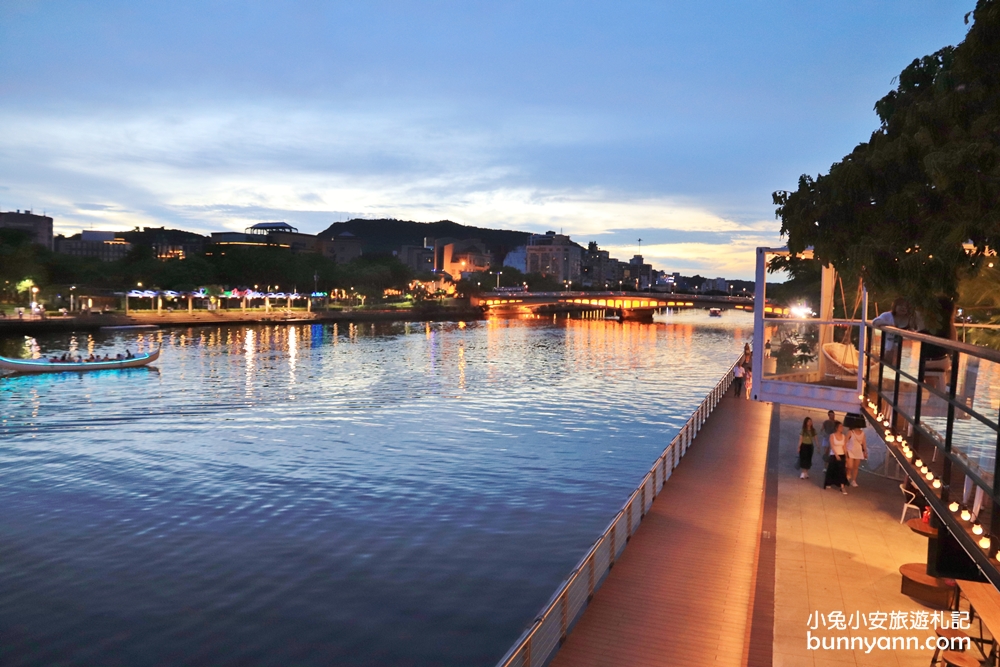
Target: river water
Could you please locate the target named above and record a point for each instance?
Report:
(405, 494)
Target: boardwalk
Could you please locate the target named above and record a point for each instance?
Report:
(681, 594)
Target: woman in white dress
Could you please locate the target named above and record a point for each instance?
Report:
(857, 451)
(835, 474)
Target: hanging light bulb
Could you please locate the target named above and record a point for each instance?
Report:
(977, 528)
(861, 397)
(924, 469)
(966, 514)
(908, 454)
(936, 484)
(890, 438)
(953, 506)
(918, 463)
(984, 542)
(929, 476)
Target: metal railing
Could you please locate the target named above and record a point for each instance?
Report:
(548, 631)
(931, 398)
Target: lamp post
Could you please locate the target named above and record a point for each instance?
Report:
(34, 300)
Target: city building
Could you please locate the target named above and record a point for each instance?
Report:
(167, 243)
(105, 246)
(342, 248)
(38, 226)
(458, 257)
(418, 258)
(598, 269)
(637, 274)
(554, 255)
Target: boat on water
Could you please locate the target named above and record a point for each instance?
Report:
(46, 366)
(715, 312)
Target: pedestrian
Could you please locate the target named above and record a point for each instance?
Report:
(828, 428)
(900, 317)
(767, 348)
(738, 378)
(807, 440)
(857, 450)
(836, 470)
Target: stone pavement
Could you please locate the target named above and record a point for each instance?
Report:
(688, 588)
(837, 553)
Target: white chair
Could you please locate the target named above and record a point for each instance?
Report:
(908, 498)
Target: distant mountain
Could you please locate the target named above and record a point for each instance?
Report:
(388, 235)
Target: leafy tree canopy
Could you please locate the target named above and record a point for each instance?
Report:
(915, 209)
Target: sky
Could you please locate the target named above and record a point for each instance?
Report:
(670, 122)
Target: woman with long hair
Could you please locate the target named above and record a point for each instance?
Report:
(836, 470)
(807, 443)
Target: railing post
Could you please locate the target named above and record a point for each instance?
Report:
(611, 555)
(868, 359)
(628, 521)
(895, 388)
(563, 618)
(995, 514)
(590, 577)
(881, 369)
(642, 496)
(946, 470)
(527, 653)
(921, 371)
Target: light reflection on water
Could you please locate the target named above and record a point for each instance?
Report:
(405, 494)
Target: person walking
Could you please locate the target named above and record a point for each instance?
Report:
(857, 451)
(738, 378)
(836, 470)
(828, 429)
(807, 439)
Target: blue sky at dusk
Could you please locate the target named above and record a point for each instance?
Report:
(671, 122)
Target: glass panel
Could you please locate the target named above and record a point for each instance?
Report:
(813, 353)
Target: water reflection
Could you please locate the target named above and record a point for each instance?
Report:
(347, 495)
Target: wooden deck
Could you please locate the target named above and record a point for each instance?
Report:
(682, 592)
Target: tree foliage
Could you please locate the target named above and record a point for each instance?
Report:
(915, 209)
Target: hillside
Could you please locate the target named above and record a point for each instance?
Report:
(388, 235)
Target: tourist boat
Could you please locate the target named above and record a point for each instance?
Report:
(46, 366)
(715, 312)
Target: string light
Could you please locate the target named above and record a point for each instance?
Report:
(924, 469)
(908, 454)
(936, 484)
(929, 476)
(985, 542)
(977, 528)
(966, 514)
(918, 463)
(953, 506)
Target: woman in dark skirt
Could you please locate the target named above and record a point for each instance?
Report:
(836, 471)
(807, 442)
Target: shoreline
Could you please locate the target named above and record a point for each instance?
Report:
(91, 322)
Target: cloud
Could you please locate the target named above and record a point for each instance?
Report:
(210, 169)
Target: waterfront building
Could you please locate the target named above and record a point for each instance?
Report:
(637, 273)
(105, 246)
(38, 226)
(554, 255)
(462, 256)
(167, 243)
(342, 248)
(598, 269)
(418, 258)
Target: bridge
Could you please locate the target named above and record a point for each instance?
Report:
(626, 305)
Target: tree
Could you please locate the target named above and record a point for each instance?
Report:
(915, 209)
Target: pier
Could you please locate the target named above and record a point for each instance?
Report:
(737, 556)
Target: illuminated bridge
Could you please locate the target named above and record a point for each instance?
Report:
(627, 305)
